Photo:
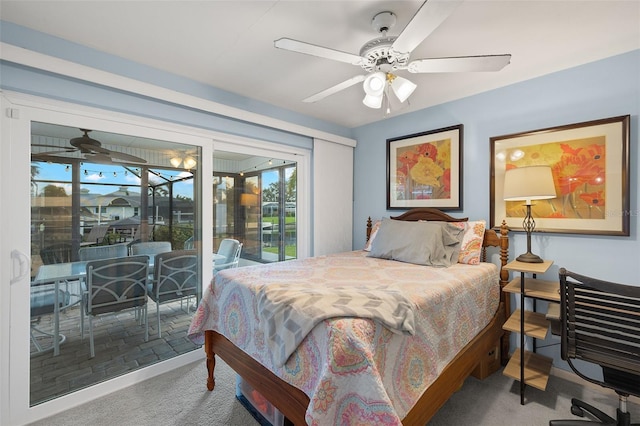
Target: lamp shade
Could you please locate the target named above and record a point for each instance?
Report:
(402, 87)
(529, 183)
(248, 200)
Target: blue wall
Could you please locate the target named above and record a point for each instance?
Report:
(601, 89)
(22, 79)
(606, 88)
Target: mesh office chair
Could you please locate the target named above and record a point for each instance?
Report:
(601, 325)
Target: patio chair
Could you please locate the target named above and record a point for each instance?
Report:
(56, 253)
(114, 285)
(43, 303)
(189, 244)
(230, 249)
(96, 235)
(175, 278)
(102, 252)
(150, 248)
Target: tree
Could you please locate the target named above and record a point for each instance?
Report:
(270, 194)
(35, 171)
(291, 186)
(54, 191)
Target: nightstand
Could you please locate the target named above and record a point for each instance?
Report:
(525, 366)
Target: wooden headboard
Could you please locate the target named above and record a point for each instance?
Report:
(491, 239)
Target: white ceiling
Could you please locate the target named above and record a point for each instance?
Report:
(229, 44)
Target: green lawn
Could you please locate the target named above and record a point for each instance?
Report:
(289, 251)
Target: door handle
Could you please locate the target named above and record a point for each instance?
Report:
(22, 261)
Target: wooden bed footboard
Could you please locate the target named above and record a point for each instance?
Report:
(293, 403)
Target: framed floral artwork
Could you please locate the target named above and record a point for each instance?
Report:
(590, 166)
(425, 170)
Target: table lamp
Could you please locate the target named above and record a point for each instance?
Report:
(529, 183)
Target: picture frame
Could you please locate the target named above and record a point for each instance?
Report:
(425, 170)
(590, 167)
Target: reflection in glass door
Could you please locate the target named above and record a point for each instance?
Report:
(256, 203)
(95, 198)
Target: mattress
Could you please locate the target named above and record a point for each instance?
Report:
(356, 370)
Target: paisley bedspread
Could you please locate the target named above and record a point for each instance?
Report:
(354, 370)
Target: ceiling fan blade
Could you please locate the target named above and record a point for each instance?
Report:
(46, 156)
(58, 149)
(87, 148)
(430, 15)
(121, 156)
(335, 89)
(319, 51)
(99, 158)
(460, 64)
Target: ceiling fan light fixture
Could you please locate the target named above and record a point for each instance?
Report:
(189, 162)
(374, 84)
(175, 161)
(372, 101)
(402, 88)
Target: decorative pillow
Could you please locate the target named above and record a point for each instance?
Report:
(422, 243)
(471, 247)
(372, 235)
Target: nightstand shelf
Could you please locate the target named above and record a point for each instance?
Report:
(534, 371)
(540, 289)
(535, 324)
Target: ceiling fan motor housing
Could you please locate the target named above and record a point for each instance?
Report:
(377, 52)
(379, 56)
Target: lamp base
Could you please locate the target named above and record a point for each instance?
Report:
(529, 257)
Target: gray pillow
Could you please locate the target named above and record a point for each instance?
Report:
(422, 243)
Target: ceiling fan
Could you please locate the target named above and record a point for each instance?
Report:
(385, 55)
(91, 149)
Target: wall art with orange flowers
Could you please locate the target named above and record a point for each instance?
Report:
(425, 170)
(590, 167)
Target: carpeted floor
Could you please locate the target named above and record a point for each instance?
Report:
(180, 397)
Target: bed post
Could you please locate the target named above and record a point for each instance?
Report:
(504, 280)
(211, 359)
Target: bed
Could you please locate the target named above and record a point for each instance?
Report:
(356, 370)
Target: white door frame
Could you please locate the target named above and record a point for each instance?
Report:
(18, 111)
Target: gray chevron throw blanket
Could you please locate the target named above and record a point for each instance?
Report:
(290, 312)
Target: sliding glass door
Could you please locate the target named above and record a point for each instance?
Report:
(95, 197)
(136, 181)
